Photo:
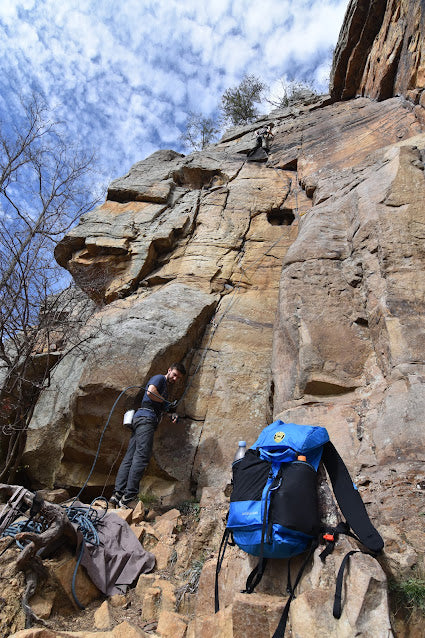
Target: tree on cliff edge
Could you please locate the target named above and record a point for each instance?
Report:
(43, 191)
(292, 92)
(200, 131)
(238, 103)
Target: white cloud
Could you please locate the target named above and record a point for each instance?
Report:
(124, 75)
(8, 13)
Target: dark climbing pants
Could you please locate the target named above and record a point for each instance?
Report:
(137, 456)
(258, 144)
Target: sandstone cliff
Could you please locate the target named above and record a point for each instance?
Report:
(380, 52)
(292, 289)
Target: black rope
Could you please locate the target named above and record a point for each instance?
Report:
(74, 577)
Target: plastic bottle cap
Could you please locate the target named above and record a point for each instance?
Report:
(242, 443)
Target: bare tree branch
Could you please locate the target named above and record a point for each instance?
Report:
(43, 190)
(200, 131)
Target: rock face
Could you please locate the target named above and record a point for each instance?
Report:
(291, 289)
(224, 232)
(123, 341)
(328, 233)
(380, 51)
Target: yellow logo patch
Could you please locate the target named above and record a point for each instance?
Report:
(279, 436)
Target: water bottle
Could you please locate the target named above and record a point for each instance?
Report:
(238, 456)
(241, 451)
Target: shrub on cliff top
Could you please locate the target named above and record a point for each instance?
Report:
(238, 103)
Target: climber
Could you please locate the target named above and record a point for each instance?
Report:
(263, 139)
(145, 421)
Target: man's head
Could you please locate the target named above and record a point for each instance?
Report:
(176, 372)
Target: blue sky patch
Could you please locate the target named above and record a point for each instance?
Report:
(123, 77)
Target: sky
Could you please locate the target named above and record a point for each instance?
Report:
(123, 76)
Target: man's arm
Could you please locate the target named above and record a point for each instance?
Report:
(155, 395)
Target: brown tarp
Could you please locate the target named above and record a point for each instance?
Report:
(118, 559)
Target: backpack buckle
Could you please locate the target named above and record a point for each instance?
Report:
(330, 538)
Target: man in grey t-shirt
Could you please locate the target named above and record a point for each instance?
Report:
(145, 421)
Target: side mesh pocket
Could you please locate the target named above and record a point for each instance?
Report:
(295, 502)
(250, 476)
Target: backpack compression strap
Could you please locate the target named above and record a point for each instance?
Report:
(257, 573)
(350, 501)
(337, 608)
(280, 629)
(224, 542)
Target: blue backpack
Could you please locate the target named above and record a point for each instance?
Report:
(274, 510)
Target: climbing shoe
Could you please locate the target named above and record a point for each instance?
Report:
(128, 502)
(115, 499)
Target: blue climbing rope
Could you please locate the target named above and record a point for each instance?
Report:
(23, 526)
(101, 439)
(86, 518)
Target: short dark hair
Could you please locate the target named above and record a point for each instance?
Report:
(179, 367)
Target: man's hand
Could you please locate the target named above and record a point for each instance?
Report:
(174, 417)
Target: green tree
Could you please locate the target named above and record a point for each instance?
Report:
(238, 103)
(200, 131)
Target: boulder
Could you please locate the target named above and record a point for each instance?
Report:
(128, 342)
(102, 616)
(171, 625)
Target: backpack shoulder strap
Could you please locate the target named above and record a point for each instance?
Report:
(349, 500)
